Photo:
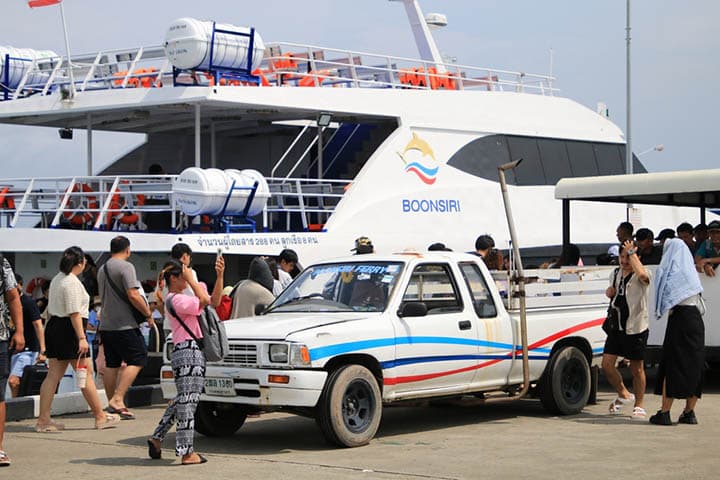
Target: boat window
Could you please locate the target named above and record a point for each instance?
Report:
(532, 172)
(608, 159)
(582, 159)
(555, 160)
(482, 300)
(433, 284)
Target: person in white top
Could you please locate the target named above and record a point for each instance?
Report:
(66, 343)
(287, 262)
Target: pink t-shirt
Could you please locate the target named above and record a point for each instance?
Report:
(187, 308)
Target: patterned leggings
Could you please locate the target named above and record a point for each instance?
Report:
(188, 364)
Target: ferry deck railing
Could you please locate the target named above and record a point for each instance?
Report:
(284, 65)
(122, 202)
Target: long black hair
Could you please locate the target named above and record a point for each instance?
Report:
(71, 256)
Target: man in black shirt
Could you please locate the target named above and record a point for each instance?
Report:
(649, 254)
(34, 339)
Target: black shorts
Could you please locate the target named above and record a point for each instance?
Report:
(61, 340)
(4, 367)
(124, 345)
(631, 347)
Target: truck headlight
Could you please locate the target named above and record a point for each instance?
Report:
(299, 355)
(279, 353)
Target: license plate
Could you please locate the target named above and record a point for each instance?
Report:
(220, 386)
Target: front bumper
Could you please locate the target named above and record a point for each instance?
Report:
(251, 386)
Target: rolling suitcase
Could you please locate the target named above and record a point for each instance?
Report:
(33, 376)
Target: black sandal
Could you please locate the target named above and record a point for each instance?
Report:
(202, 460)
(153, 452)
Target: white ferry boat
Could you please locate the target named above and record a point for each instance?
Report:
(330, 144)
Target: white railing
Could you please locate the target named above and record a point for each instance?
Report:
(125, 202)
(284, 64)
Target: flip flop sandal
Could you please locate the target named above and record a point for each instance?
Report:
(202, 460)
(617, 404)
(153, 451)
(639, 412)
(4, 459)
(110, 422)
(124, 413)
(51, 427)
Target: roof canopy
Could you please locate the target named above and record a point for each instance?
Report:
(692, 188)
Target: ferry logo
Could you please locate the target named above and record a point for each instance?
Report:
(424, 168)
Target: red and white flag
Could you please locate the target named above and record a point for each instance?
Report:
(42, 3)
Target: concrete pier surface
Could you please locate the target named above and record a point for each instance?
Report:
(515, 440)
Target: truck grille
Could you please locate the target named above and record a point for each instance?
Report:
(242, 354)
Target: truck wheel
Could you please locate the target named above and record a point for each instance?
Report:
(565, 385)
(219, 419)
(350, 407)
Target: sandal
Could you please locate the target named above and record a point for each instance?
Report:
(639, 412)
(124, 413)
(617, 404)
(202, 460)
(50, 427)
(4, 459)
(110, 422)
(153, 451)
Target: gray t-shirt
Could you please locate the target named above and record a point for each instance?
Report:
(116, 313)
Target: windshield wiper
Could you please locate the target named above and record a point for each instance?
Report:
(298, 299)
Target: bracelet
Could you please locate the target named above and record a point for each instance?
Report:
(632, 251)
(82, 338)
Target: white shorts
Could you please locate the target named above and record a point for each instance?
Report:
(19, 361)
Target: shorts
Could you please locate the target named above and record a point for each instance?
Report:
(61, 340)
(630, 347)
(19, 361)
(124, 345)
(4, 367)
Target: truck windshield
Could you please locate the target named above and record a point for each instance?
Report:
(357, 286)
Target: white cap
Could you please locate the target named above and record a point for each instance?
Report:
(614, 251)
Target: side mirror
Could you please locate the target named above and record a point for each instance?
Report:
(413, 309)
(260, 309)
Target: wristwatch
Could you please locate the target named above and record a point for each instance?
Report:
(632, 251)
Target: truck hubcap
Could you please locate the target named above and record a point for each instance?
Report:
(357, 406)
(572, 381)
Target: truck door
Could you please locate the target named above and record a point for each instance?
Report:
(438, 350)
(494, 328)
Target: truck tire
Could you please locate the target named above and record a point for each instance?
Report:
(219, 419)
(565, 385)
(350, 407)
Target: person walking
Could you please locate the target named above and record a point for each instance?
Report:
(119, 330)
(628, 291)
(188, 361)
(34, 351)
(66, 343)
(677, 292)
(8, 297)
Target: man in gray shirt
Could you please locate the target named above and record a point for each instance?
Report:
(119, 331)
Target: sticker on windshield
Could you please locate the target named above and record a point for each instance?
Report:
(387, 279)
(363, 276)
(392, 268)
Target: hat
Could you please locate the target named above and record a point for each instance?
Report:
(614, 251)
(665, 233)
(714, 225)
(227, 290)
(97, 300)
(644, 234)
(363, 245)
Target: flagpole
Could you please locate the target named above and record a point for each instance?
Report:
(67, 51)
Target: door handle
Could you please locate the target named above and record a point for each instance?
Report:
(464, 324)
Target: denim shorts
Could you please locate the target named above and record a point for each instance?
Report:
(19, 361)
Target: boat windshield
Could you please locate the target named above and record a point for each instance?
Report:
(352, 286)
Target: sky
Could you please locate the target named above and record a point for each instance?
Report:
(674, 58)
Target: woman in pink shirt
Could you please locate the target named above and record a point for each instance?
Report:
(188, 361)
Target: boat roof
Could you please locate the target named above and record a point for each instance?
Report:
(693, 188)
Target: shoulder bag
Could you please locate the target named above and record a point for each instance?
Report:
(137, 314)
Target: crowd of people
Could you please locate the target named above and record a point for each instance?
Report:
(65, 326)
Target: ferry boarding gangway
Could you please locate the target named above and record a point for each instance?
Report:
(99, 201)
(287, 65)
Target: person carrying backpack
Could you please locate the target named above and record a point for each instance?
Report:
(187, 358)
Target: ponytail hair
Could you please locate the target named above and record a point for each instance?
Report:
(71, 256)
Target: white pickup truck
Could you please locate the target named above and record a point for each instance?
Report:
(351, 336)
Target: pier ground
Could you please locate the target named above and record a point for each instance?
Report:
(515, 440)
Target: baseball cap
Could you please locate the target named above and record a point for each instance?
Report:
(363, 245)
(614, 251)
(644, 234)
(714, 225)
(665, 233)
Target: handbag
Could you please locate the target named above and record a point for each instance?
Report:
(137, 314)
(612, 319)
